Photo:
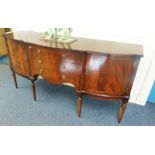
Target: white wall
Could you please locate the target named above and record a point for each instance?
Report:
(144, 78)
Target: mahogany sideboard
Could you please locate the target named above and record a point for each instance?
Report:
(101, 69)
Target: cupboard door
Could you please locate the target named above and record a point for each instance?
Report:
(108, 74)
(18, 56)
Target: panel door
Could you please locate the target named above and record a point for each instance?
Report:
(18, 56)
(108, 74)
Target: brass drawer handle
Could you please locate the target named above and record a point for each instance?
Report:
(63, 55)
(30, 47)
(63, 76)
(87, 71)
(25, 57)
(38, 51)
(41, 71)
(40, 62)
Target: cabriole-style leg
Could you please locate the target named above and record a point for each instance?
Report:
(79, 104)
(33, 89)
(123, 108)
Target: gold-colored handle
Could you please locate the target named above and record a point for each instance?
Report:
(63, 55)
(40, 62)
(63, 76)
(25, 57)
(87, 71)
(38, 51)
(41, 71)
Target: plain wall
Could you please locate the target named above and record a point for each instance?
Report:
(3, 49)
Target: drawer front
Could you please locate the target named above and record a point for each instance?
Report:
(65, 72)
(40, 58)
(68, 56)
(108, 75)
(55, 66)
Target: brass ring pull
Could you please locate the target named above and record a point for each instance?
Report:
(63, 55)
(63, 76)
(87, 71)
(40, 62)
(38, 51)
(25, 57)
(41, 71)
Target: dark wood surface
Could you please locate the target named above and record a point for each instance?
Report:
(104, 70)
(82, 44)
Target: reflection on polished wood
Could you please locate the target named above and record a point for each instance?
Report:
(101, 69)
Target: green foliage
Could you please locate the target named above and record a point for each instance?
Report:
(59, 33)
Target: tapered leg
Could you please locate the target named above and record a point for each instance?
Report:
(14, 77)
(33, 89)
(79, 104)
(123, 108)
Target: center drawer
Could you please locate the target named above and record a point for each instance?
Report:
(68, 56)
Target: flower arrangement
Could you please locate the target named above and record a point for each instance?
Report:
(62, 35)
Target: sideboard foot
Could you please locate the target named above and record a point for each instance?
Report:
(14, 78)
(79, 105)
(123, 108)
(33, 89)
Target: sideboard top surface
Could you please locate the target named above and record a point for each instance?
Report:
(82, 44)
